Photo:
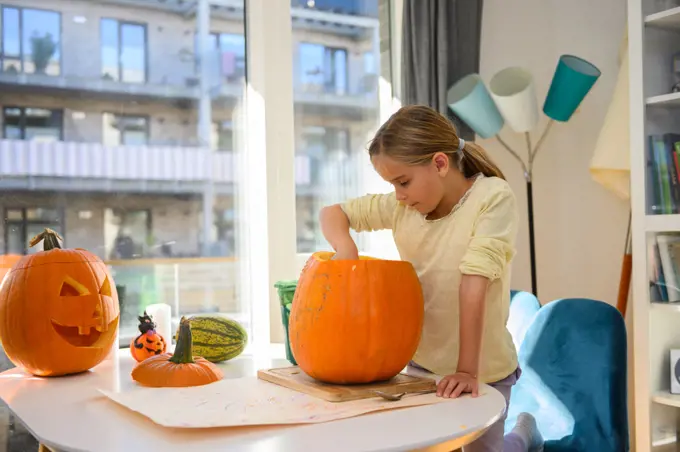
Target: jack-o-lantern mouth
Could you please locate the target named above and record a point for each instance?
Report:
(79, 336)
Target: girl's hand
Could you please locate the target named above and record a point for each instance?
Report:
(452, 386)
(347, 251)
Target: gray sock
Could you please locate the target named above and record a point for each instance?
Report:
(526, 429)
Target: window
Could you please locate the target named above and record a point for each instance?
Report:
(154, 177)
(323, 69)
(28, 123)
(230, 56)
(327, 155)
(22, 224)
(123, 51)
(125, 130)
(332, 164)
(31, 41)
(222, 138)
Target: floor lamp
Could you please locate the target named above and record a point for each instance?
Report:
(511, 98)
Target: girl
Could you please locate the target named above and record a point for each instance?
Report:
(454, 217)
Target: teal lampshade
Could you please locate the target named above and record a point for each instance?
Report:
(470, 100)
(571, 82)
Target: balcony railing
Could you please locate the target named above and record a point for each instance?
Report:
(367, 8)
(139, 163)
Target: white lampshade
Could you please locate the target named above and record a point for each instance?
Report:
(513, 91)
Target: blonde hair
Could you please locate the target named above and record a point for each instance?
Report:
(415, 133)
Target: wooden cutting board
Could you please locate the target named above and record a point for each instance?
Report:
(294, 378)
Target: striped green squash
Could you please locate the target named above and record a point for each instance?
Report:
(217, 338)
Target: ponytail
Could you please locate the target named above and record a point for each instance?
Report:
(473, 159)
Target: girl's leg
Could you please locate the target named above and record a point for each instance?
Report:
(524, 437)
(492, 439)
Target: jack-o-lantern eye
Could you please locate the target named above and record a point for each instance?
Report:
(106, 288)
(72, 288)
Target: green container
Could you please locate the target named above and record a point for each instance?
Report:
(286, 292)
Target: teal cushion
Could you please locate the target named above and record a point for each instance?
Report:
(573, 361)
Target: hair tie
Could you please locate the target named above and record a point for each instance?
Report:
(461, 144)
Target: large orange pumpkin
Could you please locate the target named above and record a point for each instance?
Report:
(7, 261)
(355, 321)
(58, 310)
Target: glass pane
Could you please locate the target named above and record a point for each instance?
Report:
(42, 124)
(163, 217)
(11, 41)
(14, 214)
(134, 138)
(111, 134)
(332, 130)
(133, 53)
(43, 214)
(233, 56)
(15, 239)
(311, 67)
(41, 41)
(110, 51)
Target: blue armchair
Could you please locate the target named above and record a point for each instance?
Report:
(523, 308)
(573, 360)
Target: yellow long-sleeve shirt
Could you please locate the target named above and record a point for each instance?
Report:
(476, 238)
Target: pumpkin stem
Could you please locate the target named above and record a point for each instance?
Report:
(50, 239)
(183, 350)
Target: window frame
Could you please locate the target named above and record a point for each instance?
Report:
(22, 121)
(120, 23)
(21, 55)
(24, 222)
(326, 51)
(147, 119)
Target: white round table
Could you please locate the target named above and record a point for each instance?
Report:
(70, 414)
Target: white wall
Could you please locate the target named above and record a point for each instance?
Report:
(580, 227)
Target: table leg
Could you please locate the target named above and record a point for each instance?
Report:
(44, 448)
(455, 445)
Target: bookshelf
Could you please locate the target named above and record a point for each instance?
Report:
(653, 41)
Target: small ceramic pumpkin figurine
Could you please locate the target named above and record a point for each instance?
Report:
(58, 309)
(149, 343)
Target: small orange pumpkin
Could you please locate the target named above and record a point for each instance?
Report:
(58, 309)
(180, 369)
(355, 321)
(149, 343)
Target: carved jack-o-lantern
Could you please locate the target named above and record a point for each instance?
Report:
(149, 343)
(58, 310)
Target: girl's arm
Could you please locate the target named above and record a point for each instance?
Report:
(366, 213)
(335, 228)
(472, 295)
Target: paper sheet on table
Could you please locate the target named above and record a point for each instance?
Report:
(247, 401)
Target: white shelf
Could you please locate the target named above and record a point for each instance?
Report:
(672, 447)
(668, 20)
(664, 100)
(663, 223)
(666, 398)
(666, 306)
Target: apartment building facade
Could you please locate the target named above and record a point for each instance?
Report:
(99, 119)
